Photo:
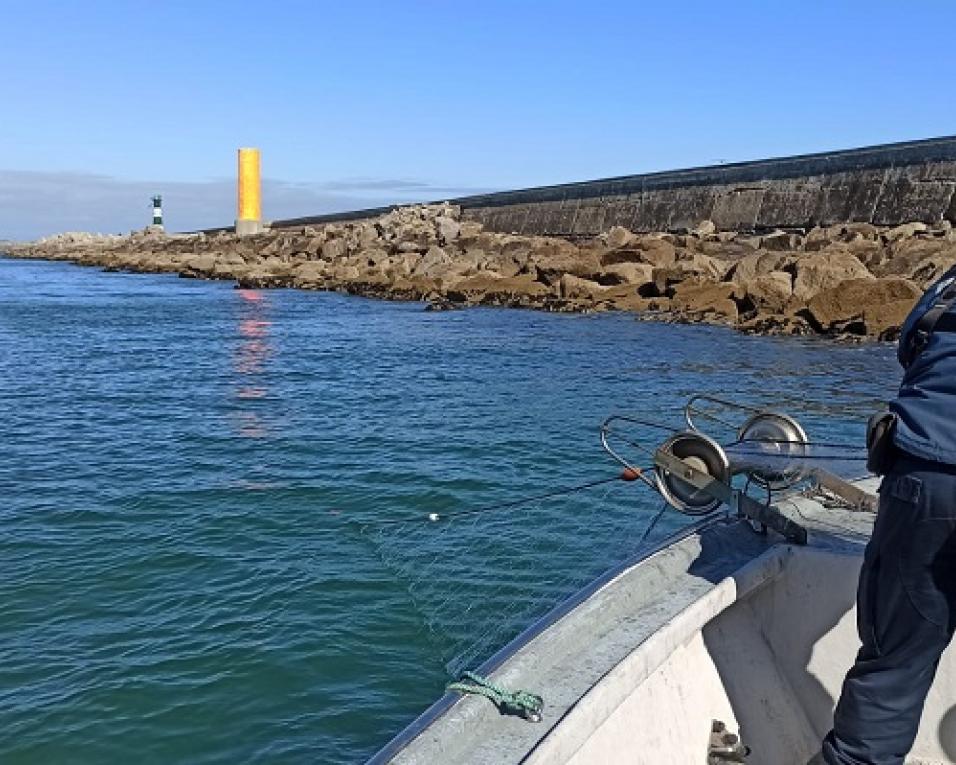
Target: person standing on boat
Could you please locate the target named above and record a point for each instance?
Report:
(906, 602)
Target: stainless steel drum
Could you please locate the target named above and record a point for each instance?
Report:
(701, 453)
(771, 448)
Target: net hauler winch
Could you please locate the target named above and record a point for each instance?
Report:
(694, 473)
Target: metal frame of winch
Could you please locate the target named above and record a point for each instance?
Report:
(694, 473)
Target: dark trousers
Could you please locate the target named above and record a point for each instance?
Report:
(906, 616)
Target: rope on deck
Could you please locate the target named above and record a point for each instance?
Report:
(520, 703)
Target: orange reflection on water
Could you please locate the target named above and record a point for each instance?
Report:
(254, 327)
(252, 296)
(250, 360)
(250, 392)
(251, 425)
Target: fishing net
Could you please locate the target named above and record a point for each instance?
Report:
(834, 438)
(478, 579)
(769, 457)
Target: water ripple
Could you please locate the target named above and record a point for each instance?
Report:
(182, 462)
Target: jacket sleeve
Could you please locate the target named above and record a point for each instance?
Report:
(906, 352)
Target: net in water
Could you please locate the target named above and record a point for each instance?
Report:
(477, 580)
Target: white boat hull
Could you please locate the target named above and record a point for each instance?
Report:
(721, 625)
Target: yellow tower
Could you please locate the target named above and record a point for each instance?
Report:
(249, 207)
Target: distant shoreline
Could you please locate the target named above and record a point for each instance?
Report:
(849, 281)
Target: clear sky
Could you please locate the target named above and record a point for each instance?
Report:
(357, 103)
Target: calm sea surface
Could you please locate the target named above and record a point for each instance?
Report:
(194, 479)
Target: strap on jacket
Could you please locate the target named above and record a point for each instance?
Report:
(924, 328)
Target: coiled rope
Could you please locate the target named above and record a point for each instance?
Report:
(521, 703)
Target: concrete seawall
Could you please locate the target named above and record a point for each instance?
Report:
(884, 185)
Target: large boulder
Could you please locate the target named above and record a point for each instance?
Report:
(166, 262)
(367, 235)
(230, 257)
(700, 265)
(434, 264)
(860, 229)
(469, 230)
(416, 233)
(448, 229)
(932, 268)
(373, 256)
(780, 241)
(905, 231)
(282, 246)
(659, 252)
(413, 287)
(225, 270)
(576, 288)
(906, 255)
(693, 266)
(665, 281)
(695, 297)
(312, 274)
(552, 258)
(859, 306)
(872, 254)
(775, 324)
(818, 237)
(769, 292)
(655, 251)
(335, 249)
(438, 264)
(512, 255)
(627, 273)
(259, 278)
(199, 266)
(618, 237)
(488, 289)
(410, 246)
(623, 298)
(821, 271)
(277, 265)
(498, 263)
(344, 272)
(842, 233)
(730, 250)
(884, 321)
(400, 263)
(371, 281)
(757, 264)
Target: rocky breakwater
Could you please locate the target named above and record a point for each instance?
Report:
(851, 280)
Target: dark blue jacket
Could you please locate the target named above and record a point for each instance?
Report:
(926, 403)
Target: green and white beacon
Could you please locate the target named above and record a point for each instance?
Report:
(157, 224)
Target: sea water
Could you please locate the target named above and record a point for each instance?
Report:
(186, 469)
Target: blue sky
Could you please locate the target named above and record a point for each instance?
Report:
(357, 103)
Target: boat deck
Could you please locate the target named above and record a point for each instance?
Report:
(587, 663)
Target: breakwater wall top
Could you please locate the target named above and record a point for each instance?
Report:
(884, 185)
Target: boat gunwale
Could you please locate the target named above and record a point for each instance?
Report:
(449, 699)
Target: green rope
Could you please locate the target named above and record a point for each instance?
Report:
(521, 703)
